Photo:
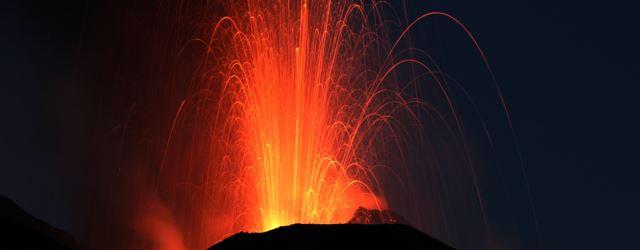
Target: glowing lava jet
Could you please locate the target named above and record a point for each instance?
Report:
(305, 107)
(295, 108)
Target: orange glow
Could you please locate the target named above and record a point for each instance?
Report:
(294, 109)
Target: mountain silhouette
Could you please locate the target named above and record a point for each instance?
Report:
(20, 230)
(368, 229)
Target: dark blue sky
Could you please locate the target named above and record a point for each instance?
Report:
(568, 71)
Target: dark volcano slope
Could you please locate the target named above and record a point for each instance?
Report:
(20, 230)
(336, 236)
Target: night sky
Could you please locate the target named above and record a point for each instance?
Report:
(567, 70)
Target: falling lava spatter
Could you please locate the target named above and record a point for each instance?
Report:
(295, 104)
(298, 107)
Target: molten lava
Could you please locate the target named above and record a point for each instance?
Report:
(289, 121)
(298, 104)
(297, 101)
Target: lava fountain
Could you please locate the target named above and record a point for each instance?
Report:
(294, 111)
(297, 111)
(295, 104)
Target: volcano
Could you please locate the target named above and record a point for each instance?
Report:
(368, 229)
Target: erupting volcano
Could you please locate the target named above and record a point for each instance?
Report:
(314, 124)
(296, 103)
(258, 114)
